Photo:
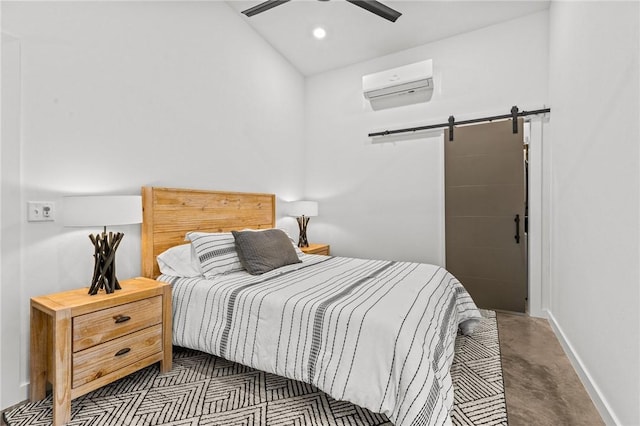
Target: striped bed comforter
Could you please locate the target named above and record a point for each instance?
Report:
(379, 334)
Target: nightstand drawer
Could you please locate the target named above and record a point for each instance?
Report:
(107, 324)
(103, 359)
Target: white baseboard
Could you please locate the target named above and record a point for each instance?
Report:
(24, 390)
(603, 407)
(20, 396)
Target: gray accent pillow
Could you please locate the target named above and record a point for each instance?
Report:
(264, 251)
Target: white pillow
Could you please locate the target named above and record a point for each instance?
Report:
(216, 252)
(179, 261)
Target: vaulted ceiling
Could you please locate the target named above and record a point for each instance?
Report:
(355, 35)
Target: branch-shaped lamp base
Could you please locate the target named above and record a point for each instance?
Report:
(302, 225)
(104, 269)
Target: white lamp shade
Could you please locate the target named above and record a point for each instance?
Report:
(303, 208)
(105, 210)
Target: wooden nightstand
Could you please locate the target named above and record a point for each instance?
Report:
(316, 249)
(81, 342)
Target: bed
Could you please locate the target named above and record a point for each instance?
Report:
(377, 333)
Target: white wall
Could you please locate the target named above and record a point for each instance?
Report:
(10, 258)
(116, 95)
(385, 200)
(595, 232)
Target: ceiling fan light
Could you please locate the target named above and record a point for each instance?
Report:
(319, 33)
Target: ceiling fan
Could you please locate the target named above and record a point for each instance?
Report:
(371, 5)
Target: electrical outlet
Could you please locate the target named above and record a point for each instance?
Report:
(41, 211)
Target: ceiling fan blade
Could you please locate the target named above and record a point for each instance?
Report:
(264, 6)
(378, 8)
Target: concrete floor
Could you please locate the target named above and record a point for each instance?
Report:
(541, 386)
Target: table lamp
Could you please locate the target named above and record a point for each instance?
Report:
(86, 211)
(303, 210)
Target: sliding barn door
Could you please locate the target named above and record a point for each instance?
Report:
(484, 213)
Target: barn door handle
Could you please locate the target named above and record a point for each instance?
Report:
(517, 221)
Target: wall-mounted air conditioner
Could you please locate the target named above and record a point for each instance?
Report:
(400, 86)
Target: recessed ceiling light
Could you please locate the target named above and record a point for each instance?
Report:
(319, 33)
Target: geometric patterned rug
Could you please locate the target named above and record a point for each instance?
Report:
(202, 389)
(477, 377)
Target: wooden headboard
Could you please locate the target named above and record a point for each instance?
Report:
(168, 214)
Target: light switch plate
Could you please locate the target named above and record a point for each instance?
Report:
(41, 211)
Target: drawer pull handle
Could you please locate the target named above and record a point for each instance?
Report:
(122, 318)
(123, 351)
